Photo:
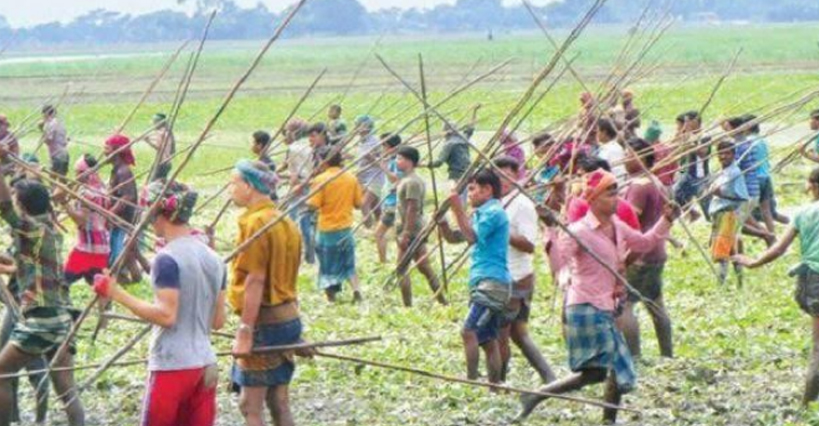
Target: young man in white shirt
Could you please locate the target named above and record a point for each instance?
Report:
(611, 150)
(523, 230)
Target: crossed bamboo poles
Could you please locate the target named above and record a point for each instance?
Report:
(425, 115)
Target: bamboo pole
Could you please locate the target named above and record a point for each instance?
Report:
(133, 238)
(575, 33)
(432, 171)
(492, 386)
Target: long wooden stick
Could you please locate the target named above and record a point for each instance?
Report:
(432, 171)
(265, 350)
(144, 222)
(493, 386)
(151, 87)
(313, 191)
(496, 137)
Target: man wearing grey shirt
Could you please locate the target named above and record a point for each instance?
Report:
(55, 138)
(189, 298)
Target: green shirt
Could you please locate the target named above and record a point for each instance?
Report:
(411, 187)
(37, 248)
(806, 223)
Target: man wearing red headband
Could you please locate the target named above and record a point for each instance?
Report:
(122, 190)
(597, 349)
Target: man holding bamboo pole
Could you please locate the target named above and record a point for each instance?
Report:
(597, 349)
(189, 297)
(263, 292)
(46, 311)
(523, 237)
(490, 283)
(123, 189)
(56, 140)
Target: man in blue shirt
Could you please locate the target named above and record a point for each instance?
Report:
(767, 198)
(749, 167)
(490, 282)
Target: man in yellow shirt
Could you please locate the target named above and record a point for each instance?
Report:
(337, 194)
(263, 292)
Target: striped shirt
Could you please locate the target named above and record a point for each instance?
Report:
(93, 236)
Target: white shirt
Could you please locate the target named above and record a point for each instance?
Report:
(300, 159)
(523, 222)
(614, 154)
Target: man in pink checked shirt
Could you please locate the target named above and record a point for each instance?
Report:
(597, 349)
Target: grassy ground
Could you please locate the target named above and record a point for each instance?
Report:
(740, 352)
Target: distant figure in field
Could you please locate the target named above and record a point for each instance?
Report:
(390, 144)
(164, 142)
(260, 147)
(369, 174)
(336, 127)
(299, 166)
(56, 140)
(10, 146)
(336, 195)
(410, 195)
(730, 196)
(811, 150)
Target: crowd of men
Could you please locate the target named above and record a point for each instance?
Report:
(600, 203)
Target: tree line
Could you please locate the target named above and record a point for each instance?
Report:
(349, 17)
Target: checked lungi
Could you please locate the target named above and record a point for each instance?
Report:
(595, 342)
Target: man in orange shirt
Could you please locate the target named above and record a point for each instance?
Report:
(263, 292)
(337, 194)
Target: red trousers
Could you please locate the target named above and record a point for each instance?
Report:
(179, 398)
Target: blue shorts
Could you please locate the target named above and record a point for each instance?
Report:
(483, 322)
(118, 236)
(270, 335)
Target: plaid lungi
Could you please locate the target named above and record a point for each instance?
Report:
(724, 233)
(595, 342)
(336, 255)
(42, 330)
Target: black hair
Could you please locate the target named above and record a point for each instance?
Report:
(486, 177)
(49, 109)
(606, 126)
(735, 122)
(90, 161)
(410, 153)
(750, 119)
(725, 145)
(391, 139)
(644, 151)
(33, 196)
(318, 128)
(541, 139)
(688, 116)
(506, 162)
(330, 156)
(590, 163)
(815, 114)
(261, 138)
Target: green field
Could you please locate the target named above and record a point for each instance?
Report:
(741, 353)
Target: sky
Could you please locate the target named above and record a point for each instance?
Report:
(40, 11)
